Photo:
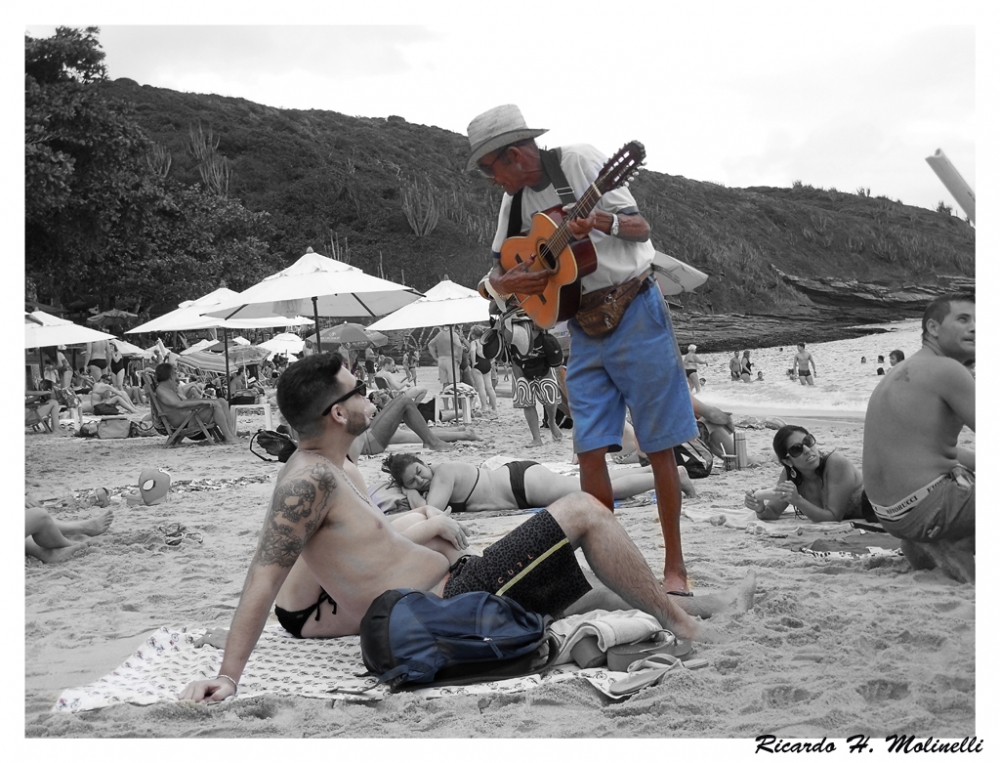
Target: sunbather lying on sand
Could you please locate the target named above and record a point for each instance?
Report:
(822, 487)
(515, 485)
(45, 536)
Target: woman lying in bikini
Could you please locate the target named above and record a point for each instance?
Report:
(822, 487)
(515, 485)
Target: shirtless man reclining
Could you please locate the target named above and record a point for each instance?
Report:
(920, 483)
(326, 548)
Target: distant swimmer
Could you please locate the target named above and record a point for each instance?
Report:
(803, 359)
(921, 484)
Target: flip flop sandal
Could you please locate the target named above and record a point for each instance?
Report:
(648, 672)
(173, 529)
(621, 656)
(196, 537)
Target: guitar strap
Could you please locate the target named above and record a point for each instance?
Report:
(551, 165)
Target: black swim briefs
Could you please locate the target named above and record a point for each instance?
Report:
(293, 621)
(517, 470)
(534, 565)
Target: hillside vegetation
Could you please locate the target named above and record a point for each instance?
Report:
(392, 198)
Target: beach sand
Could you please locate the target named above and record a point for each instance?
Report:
(832, 647)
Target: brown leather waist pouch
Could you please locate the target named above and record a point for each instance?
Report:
(601, 311)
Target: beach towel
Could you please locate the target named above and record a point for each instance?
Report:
(168, 660)
(610, 628)
(857, 545)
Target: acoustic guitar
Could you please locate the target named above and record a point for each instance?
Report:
(567, 259)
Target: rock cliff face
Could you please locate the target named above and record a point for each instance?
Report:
(832, 309)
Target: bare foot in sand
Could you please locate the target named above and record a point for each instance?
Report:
(53, 555)
(687, 486)
(440, 445)
(94, 526)
(733, 600)
(533, 444)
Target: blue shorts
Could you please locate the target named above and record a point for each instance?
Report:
(638, 365)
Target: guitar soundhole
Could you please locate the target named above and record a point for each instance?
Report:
(545, 254)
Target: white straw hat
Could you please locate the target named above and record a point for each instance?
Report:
(500, 126)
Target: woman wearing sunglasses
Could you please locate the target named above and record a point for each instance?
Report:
(821, 487)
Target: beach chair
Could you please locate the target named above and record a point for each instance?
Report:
(33, 420)
(191, 427)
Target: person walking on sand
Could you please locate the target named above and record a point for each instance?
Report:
(446, 350)
(921, 484)
(326, 551)
(802, 360)
(601, 375)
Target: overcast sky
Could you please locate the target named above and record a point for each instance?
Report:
(852, 97)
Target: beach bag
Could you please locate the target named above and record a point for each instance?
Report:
(106, 409)
(114, 429)
(412, 639)
(274, 443)
(552, 349)
(696, 457)
(490, 342)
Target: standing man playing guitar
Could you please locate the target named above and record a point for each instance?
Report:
(623, 351)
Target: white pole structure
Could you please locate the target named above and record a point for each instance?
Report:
(954, 182)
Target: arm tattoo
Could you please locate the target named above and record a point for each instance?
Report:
(297, 507)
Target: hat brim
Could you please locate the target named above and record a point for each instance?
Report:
(497, 142)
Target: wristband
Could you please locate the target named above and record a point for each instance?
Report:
(236, 686)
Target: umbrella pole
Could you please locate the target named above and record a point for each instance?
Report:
(319, 343)
(41, 365)
(225, 350)
(454, 372)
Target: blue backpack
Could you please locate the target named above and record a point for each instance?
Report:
(413, 638)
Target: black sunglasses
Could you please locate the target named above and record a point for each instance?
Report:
(796, 450)
(487, 171)
(360, 389)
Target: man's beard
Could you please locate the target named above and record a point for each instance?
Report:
(357, 424)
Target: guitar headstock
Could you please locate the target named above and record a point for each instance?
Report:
(621, 167)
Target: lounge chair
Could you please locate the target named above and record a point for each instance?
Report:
(192, 427)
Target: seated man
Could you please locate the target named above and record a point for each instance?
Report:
(322, 521)
(209, 410)
(920, 483)
(45, 536)
(387, 373)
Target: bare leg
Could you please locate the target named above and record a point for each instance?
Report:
(403, 409)
(531, 416)
(617, 561)
(733, 600)
(52, 555)
(594, 477)
(668, 504)
(553, 428)
(51, 532)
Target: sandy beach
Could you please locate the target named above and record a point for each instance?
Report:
(834, 646)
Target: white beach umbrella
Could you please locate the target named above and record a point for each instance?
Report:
(127, 348)
(44, 330)
(288, 344)
(321, 286)
(446, 304)
(189, 316)
(674, 276)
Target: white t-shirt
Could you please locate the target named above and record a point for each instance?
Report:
(617, 260)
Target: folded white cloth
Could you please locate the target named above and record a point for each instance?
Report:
(625, 626)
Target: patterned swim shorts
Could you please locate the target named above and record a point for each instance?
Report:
(534, 565)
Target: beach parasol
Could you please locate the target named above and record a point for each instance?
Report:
(353, 335)
(445, 304)
(129, 349)
(675, 277)
(44, 330)
(286, 344)
(189, 316)
(322, 286)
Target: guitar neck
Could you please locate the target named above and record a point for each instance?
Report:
(562, 237)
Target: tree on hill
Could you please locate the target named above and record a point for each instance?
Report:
(104, 225)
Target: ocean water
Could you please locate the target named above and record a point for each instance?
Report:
(843, 383)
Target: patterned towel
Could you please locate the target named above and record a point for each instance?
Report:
(317, 668)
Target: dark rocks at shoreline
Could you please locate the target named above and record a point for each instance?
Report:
(726, 333)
